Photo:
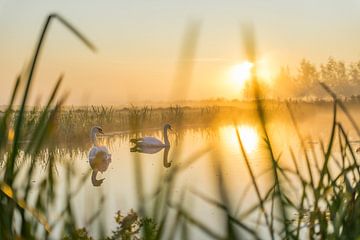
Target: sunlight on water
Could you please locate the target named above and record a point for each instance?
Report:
(249, 136)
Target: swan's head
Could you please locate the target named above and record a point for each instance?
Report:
(167, 126)
(96, 130)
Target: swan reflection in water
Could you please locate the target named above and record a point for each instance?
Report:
(151, 145)
(152, 150)
(99, 157)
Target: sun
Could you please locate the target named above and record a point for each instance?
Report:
(240, 73)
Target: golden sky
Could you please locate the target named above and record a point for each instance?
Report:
(139, 43)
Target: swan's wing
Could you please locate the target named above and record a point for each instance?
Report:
(146, 149)
(92, 153)
(96, 150)
(151, 141)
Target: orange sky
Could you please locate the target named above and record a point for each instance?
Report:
(139, 44)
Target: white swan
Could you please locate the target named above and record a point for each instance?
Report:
(152, 141)
(99, 156)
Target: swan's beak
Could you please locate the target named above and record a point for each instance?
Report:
(101, 131)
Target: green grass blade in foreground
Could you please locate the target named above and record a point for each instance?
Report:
(253, 179)
(307, 159)
(180, 87)
(47, 190)
(342, 106)
(76, 32)
(208, 231)
(42, 128)
(250, 48)
(167, 187)
(178, 217)
(19, 121)
(8, 191)
(247, 189)
(231, 232)
(9, 171)
(223, 207)
(324, 170)
(348, 146)
(4, 119)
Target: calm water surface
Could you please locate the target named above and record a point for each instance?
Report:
(119, 186)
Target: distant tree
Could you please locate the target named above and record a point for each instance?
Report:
(327, 72)
(354, 77)
(334, 74)
(354, 73)
(343, 79)
(306, 81)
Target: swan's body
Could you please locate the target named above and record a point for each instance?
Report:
(99, 157)
(152, 142)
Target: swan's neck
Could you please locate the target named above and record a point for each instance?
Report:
(93, 138)
(165, 158)
(166, 139)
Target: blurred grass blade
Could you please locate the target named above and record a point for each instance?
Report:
(10, 166)
(253, 179)
(186, 62)
(77, 33)
(6, 189)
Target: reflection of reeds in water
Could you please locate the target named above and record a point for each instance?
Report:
(315, 203)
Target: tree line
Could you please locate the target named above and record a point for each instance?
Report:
(343, 78)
